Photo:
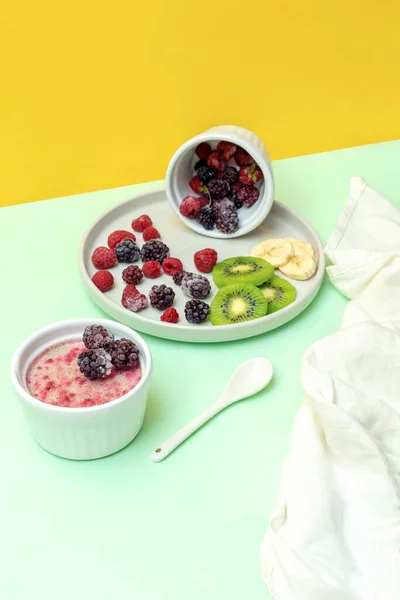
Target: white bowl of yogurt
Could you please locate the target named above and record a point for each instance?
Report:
(69, 415)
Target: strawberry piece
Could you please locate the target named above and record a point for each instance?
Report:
(170, 315)
(243, 158)
(250, 175)
(226, 150)
(133, 300)
(215, 161)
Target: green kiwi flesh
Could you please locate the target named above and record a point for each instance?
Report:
(238, 303)
(278, 293)
(242, 269)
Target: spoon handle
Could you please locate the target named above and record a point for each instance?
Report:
(180, 436)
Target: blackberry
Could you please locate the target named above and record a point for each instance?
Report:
(234, 197)
(127, 251)
(94, 364)
(200, 163)
(161, 296)
(178, 276)
(206, 218)
(97, 336)
(196, 311)
(205, 174)
(132, 275)
(230, 174)
(125, 355)
(218, 188)
(226, 217)
(196, 286)
(154, 250)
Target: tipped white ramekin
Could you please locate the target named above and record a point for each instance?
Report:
(180, 171)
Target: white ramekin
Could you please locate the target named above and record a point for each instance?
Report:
(81, 433)
(180, 172)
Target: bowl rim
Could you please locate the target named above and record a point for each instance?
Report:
(53, 327)
(269, 186)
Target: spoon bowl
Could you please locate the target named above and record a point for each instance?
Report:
(250, 377)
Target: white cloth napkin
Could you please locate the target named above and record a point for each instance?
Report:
(335, 533)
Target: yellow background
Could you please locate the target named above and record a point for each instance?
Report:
(97, 95)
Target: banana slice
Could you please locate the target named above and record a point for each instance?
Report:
(277, 252)
(302, 266)
(299, 246)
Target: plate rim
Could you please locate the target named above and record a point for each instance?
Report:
(101, 299)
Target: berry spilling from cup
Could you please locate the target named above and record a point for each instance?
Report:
(225, 179)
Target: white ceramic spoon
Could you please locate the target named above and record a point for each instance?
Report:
(249, 378)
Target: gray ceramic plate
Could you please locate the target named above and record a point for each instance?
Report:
(183, 242)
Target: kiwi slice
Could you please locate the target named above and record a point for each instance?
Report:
(278, 293)
(237, 303)
(242, 269)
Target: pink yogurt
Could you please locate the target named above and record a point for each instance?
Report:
(54, 378)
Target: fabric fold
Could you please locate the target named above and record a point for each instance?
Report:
(335, 532)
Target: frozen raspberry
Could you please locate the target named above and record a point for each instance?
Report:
(218, 188)
(197, 186)
(226, 217)
(97, 336)
(200, 163)
(172, 265)
(133, 300)
(127, 251)
(205, 260)
(125, 355)
(152, 269)
(170, 315)
(226, 150)
(151, 233)
(243, 158)
(154, 250)
(250, 175)
(141, 223)
(132, 275)
(248, 195)
(205, 174)
(231, 175)
(103, 280)
(117, 236)
(196, 311)
(203, 150)
(161, 296)
(178, 276)
(104, 258)
(95, 364)
(196, 286)
(190, 206)
(215, 161)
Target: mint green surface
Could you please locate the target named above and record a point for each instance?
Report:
(190, 527)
